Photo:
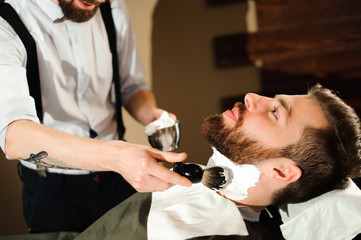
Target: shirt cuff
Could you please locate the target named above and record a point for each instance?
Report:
(12, 110)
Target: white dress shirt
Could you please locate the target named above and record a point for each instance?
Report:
(75, 65)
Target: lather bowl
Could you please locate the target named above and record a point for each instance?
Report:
(166, 139)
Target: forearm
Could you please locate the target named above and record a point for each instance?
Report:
(64, 150)
(142, 106)
(138, 164)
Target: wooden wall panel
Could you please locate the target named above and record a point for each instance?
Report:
(279, 14)
(346, 63)
(305, 40)
(301, 43)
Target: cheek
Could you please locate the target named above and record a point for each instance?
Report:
(257, 128)
(265, 131)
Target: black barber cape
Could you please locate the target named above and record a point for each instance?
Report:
(128, 221)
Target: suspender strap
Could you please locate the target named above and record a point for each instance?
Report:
(109, 25)
(32, 70)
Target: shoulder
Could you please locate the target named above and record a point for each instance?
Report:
(10, 41)
(118, 3)
(330, 213)
(119, 8)
(18, 5)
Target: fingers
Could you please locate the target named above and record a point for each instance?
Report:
(164, 173)
(172, 116)
(149, 183)
(158, 178)
(158, 112)
(169, 176)
(145, 173)
(170, 157)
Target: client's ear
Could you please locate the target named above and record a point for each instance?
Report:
(286, 170)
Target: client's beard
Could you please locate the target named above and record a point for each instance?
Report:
(76, 14)
(233, 142)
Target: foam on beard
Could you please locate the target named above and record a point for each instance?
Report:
(241, 177)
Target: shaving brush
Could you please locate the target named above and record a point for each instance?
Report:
(214, 178)
(191, 171)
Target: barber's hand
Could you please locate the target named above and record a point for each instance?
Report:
(140, 166)
(157, 112)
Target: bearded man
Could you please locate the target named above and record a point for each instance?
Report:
(78, 60)
(298, 153)
(307, 144)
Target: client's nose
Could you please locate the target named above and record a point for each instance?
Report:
(255, 102)
(250, 101)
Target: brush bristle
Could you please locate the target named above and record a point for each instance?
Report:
(214, 178)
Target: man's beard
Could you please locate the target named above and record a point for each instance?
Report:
(234, 142)
(76, 14)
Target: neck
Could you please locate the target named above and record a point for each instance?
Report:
(254, 208)
(257, 208)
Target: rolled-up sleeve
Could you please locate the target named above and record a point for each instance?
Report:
(130, 67)
(15, 101)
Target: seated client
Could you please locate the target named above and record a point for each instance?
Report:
(298, 153)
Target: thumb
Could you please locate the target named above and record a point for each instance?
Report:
(170, 157)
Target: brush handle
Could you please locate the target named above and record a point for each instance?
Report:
(191, 171)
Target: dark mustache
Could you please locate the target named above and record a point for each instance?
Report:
(93, 2)
(241, 108)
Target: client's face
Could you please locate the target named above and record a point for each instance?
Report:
(79, 10)
(255, 131)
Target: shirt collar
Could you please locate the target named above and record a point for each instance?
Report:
(50, 8)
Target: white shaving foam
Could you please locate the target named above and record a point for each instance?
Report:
(241, 177)
(163, 121)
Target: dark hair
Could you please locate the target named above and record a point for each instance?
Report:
(327, 157)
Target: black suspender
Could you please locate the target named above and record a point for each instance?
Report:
(109, 25)
(32, 69)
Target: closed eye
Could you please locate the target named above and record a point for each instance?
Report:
(274, 112)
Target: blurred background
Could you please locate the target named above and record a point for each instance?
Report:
(200, 56)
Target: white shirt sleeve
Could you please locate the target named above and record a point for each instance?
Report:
(15, 101)
(130, 66)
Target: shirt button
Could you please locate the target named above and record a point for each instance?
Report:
(76, 40)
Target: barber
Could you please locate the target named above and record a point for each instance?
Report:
(73, 166)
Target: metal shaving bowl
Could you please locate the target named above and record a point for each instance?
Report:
(166, 139)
